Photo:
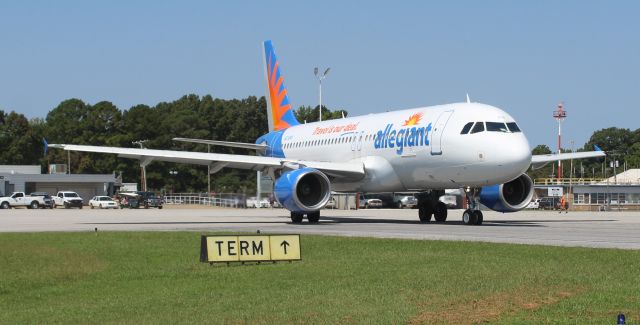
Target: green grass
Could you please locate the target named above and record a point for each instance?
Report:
(153, 277)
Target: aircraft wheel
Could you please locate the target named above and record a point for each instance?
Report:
(469, 217)
(424, 213)
(313, 217)
(296, 217)
(440, 212)
(479, 217)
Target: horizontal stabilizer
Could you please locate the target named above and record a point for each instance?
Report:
(243, 145)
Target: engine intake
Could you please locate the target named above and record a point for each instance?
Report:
(508, 197)
(303, 190)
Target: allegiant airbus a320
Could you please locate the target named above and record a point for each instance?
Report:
(425, 150)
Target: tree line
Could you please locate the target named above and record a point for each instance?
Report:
(103, 124)
(191, 116)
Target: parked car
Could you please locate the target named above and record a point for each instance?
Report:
(252, 202)
(534, 204)
(331, 204)
(371, 203)
(68, 199)
(103, 202)
(150, 200)
(450, 200)
(549, 203)
(46, 198)
(408, 201)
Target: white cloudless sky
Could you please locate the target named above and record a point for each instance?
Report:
(522, 56)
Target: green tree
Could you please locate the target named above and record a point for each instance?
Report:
(20, 144)
(541, 149)
(308, 114)
(633, 156)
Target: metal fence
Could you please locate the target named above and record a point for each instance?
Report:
(228, 200)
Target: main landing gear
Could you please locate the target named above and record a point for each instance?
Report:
(312, 217)
(429, 205)
(473, 215)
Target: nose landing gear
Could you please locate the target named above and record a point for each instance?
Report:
(473, 215)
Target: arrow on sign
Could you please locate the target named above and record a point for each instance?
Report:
(285, 244)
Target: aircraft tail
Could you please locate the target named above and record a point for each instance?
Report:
(279, 111)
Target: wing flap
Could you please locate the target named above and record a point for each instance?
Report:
(243, 145)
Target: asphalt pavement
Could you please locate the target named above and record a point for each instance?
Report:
(611, 229)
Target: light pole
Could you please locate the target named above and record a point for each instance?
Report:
(320, 78)
(173, 173)
(570, 194)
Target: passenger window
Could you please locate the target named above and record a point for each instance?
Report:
(479, 127)
(513, 127)
(466, 128)
(496, 127)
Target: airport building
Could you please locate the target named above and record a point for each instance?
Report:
(619, 192)
(21, 178)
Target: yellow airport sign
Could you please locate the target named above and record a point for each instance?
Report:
(249, 248)
(285, 247)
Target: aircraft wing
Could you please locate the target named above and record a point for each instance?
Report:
(219, 161)
(244, 145)
(543, 159)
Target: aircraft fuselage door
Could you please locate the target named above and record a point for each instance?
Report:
(356, 141)
(359, 144)
(436, 133)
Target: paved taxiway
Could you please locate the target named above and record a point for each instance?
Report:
(588, 229)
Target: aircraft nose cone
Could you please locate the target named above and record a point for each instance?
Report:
(516, 155)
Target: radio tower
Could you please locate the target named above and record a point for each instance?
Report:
(559, 114)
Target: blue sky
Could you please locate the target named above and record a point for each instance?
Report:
(524, 57)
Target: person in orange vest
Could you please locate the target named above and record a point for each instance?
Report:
(563, 205)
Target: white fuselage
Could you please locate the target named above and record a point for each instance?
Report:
(416, 149)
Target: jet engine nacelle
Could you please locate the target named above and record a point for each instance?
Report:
(303, 190)
(508, 197)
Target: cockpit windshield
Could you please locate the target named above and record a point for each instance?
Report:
(478, 127)
(496, 127)
(510, 127)
(513, 127)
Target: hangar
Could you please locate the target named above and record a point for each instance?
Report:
(29, 178)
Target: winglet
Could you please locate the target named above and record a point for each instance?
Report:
(279, 111)
(597, 148)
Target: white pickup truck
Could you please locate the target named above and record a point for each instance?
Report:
(19, 199)
(67, 199)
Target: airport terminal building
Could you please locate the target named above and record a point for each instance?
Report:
(29, 178)
(619, 192)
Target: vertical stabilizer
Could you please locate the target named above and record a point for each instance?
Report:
(279, 111)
